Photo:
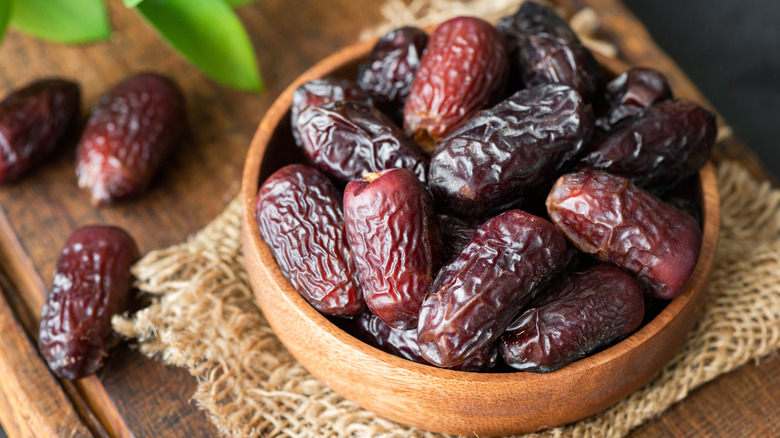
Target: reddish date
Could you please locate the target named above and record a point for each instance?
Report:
(630, 93)
(348, 139)
(464, 69)
(131, 131)
(577, 315)
(403, 343)
(611, 218)
(394, 236)
(388, 73)
(300, 218)
(546, 50)
(506, 154)
(657, 149)
(33, 121)
(92, 282)
(478, 294)
(320, 92)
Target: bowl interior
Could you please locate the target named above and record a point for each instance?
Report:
(444, 400)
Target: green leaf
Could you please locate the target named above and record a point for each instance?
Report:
(237, 3)
(132, 3)
(63, 21)
(5, 15)
(208, 33)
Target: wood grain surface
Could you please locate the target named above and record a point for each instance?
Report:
(135, 396)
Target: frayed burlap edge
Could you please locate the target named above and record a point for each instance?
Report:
(204, 319)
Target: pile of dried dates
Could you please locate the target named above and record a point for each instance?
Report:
(481, 198)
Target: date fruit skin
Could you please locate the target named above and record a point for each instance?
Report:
(388, 73)
(657, 149)
(92, 282)
(464, 69)
(546, 50)
(504, 155)
(574, 317)
(394, 236)
(609, 217)
(300, 217)
(348, 139)
(370, 329)
(130, 133)
(456, 233)
(320, 92)
(477, 295)
(33, 121)
(630, 93)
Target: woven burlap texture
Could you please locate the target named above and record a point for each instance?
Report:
(204, 318)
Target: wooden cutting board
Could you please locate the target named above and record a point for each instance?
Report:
(135, 396)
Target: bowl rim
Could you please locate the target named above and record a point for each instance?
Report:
(693, 293)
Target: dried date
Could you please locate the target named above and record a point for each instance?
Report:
(348, 139)
(630, 93)
(403, 343)
(506, 154)
(33, 121)
(657, 149)
(301, 220)
(546, 50)
(577, 315)
(388, 73)
(478, 294)
(320, 92)
(131, 131)
(394, 236)
(456, 232)
(464, 69)
(609, 217)
(92, 282)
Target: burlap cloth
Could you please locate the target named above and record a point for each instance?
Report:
(204, 318)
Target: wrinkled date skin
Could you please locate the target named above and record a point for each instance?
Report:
(507, 153)
(463, 69)
(456, 233)
(478, 294)
(320, 92)
(583, 312)
(403, 343)
(33, 121)
(388, 73)
(546, 50)
(347, 139)
(609, 217)
(300, 217)
(92, 282)
(394, 235)
(630, 93)
(131, 131)
(665, 144)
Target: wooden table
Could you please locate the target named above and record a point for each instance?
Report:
(135, 396)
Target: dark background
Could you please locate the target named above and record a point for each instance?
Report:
(731, 51)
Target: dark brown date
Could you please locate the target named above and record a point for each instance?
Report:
(667, 143)
(131, 131)
(630, 93)
(505, 154)
(394, 236)
(478, 294)
(348, 139)
(574, 317)
(403, 343)
(609, 217)
(320, 92)
(546, 50)
(300, 217)
(388, 73)
(92, 282)
(33, 121)
(463, 69)
(456, 233)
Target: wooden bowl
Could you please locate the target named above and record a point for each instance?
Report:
(436, 399)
